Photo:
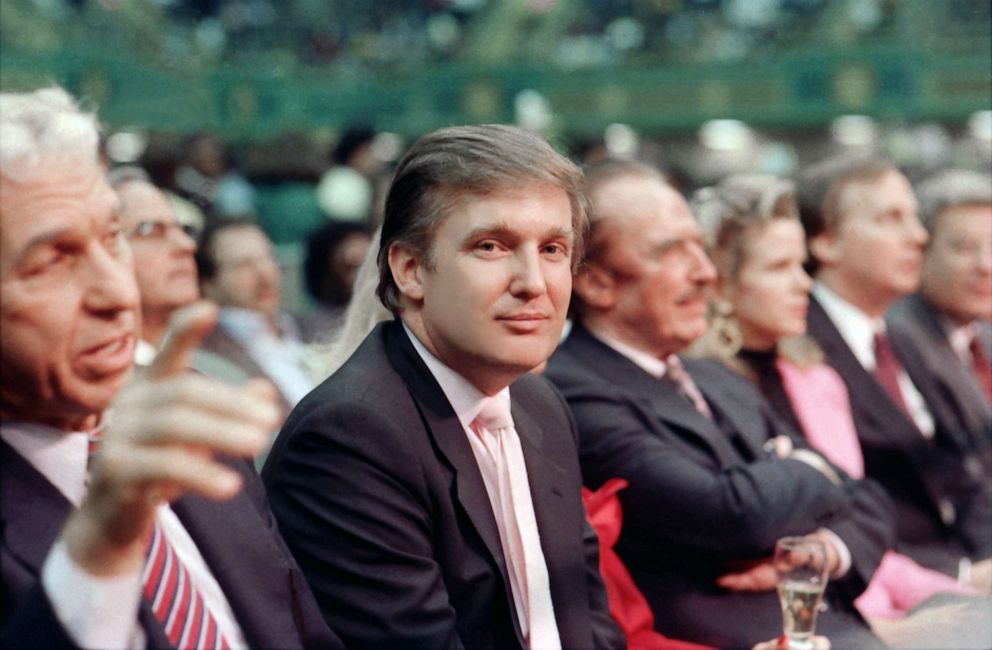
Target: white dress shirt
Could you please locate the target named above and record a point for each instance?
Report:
(99, 612)
(858, 331)
(467, 402)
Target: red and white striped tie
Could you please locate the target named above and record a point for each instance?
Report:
(175, 600)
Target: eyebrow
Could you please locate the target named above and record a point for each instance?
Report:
(503, 229)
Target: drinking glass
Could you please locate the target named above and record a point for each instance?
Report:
(801, 565)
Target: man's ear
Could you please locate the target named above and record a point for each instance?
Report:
(595, 286)
(825, 247)
(404, 264)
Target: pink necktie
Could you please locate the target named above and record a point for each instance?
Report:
(519, 536)
(675, 373)
(175, 600)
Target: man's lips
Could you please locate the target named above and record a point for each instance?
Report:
(111, 356)
(524, 321)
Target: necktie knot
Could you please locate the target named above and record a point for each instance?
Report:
(495, 413)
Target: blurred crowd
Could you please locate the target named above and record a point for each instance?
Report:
(530, 401)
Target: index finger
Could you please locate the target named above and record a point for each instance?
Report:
(188, 327)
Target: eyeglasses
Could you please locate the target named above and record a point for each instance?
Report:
(161, 230)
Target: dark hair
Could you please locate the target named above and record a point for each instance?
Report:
(819, 188)
(443, 168)
(351, 141)
(322, 244)
(205, 265)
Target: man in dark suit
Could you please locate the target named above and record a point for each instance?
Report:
(866, 246)
(713, 479)
(167, 541)
(948, 319)
(430, 487)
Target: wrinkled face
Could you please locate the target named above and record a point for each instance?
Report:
(246, 273)
(163, 252)
(68, 298)
(877, 245)
(771, 291)
(660, 273)
(957, 267)
(493, 295)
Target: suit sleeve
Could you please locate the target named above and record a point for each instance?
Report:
(350, 500)
(737, 511)
(28, 621)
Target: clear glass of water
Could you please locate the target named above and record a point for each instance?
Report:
(801, 565)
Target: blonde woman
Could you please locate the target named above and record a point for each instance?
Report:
(757, 328)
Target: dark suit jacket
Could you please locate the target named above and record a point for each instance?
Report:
(237, 538)
(943, 503)
(704, 496)
(379, 496)
(922, 345)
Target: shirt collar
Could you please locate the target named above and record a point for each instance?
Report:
(59, 456)
(466, 400)
(857, 328)
(646, 362)
(960, 337)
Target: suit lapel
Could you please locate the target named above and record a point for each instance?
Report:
(867, 397)
(657, 398)
(446, 430)
(33, 510)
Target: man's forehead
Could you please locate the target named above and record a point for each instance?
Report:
(140, 199)
(79, 200)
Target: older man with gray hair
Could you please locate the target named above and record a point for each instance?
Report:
(166, 540)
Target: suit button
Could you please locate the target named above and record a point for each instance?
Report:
(948, 514)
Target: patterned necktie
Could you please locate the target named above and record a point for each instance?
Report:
(887, 369)
(676, 374)
(514, 511)
(175, 600)
(981, 367)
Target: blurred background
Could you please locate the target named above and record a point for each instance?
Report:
(295, 110)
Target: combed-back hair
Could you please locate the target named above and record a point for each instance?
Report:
(451, 165)
(951, 188)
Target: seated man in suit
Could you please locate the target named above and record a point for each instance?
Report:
(239, 271)
(949, 317)
(866, 247)
(162, 251)
(167, 542)
(430, 488)
(705, 502)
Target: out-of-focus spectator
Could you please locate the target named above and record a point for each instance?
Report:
(757, 244)
(210, 180)
(346, 191)
(238, 270)
(866, 246)
(163, 255)
(949, 316)
(706, 500)
(334, 253)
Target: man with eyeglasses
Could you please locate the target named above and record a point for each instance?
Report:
(163, 255)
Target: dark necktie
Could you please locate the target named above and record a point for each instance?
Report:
(981, 367)
(887, 369)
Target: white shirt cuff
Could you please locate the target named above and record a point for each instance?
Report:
(844, 553)
(96, 612)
